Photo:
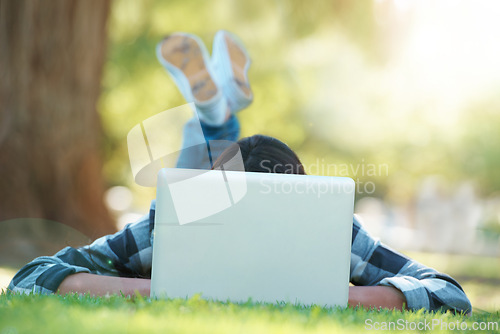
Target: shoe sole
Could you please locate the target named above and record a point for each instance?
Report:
(239, 61)
(184, 53)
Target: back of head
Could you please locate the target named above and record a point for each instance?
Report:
(262, 154)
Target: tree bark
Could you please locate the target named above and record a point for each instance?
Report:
(51, 59)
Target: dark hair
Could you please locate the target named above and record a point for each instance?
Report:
(262, 154)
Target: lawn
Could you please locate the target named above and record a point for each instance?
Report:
(116, 314)
(56, 314)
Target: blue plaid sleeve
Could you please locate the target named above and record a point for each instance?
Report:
(373, 263)
(127, 253)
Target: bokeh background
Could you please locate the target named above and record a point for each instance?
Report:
(401, 95)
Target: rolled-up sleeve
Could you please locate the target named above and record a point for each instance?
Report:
(373, 263)
(43, 275)
(126, 253)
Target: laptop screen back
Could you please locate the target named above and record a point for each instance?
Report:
(236, 235)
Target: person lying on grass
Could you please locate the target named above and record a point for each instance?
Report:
(121, 263)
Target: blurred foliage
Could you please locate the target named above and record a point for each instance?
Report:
(330, 78)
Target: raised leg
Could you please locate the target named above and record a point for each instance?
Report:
(216, 139)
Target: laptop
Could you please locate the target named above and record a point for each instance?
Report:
(235, 236)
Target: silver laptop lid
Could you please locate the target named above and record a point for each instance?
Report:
(269, 237)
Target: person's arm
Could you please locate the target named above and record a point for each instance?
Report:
(376, 297)
(99, 285)
(126, 253)
(373, 264)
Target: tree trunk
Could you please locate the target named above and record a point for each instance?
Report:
(51, 59)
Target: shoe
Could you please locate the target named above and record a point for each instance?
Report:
(186, 59)
(231, 61)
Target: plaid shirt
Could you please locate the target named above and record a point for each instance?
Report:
(128, 253)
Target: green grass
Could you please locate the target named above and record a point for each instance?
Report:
(55, 314)
(83, 314)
